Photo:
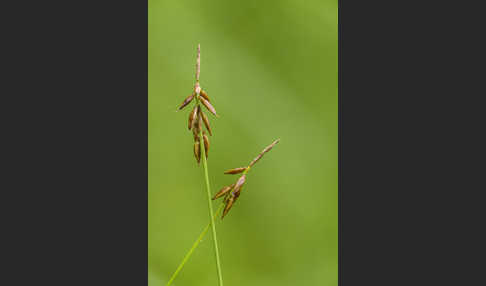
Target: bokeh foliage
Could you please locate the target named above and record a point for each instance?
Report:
(270, 68)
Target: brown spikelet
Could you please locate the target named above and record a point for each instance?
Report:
(268, 148)
(206, 122)
(199, 120)
(223, 191)
(235, 171)
(205, 95)
(195, 133)
(208, 106)
(197, 151)
(192, 116)
(206, 144)
(239, 184)
(187, 101)
(228, 206)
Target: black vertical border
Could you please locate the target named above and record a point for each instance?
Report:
(340, 183)
(409, 144)
(74, 198)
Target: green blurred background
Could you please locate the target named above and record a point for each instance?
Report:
(270, 68)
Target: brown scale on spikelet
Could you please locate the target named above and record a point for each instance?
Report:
(232, 192)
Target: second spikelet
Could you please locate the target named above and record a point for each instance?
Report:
(232, 192)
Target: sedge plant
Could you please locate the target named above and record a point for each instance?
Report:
(201, 148)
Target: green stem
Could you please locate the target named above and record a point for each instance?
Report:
(210, 205)
(194, 246)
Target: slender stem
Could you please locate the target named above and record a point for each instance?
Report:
(194, 246)
(210, 205)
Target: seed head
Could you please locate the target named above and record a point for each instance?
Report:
(197, 116)
(231, 197)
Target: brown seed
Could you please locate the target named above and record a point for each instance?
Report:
(206, 122)
(205, 95)
(195, 133)
(206, 144)
(239, 184)
(208, 106)
(228, 206)
(223, 191)
(187, 101)
(235, 171)
(192, 116)
(268, 148)
(197, 151)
